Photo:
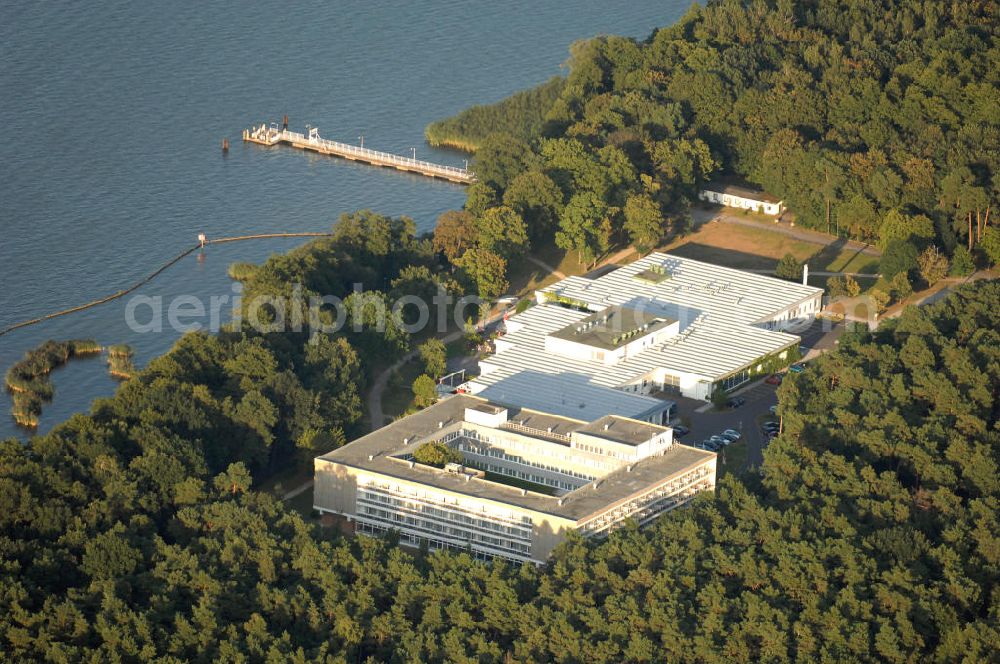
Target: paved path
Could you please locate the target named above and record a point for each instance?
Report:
(617, 256)
(375, 394)
(297, 490)
(701, 216)
(545, 266)
(932, 295)
(818, 273)
(382, 380)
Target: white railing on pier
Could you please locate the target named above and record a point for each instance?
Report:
(313, 141)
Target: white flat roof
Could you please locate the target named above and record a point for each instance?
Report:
(566, 395)
(716, 306)
(693, 286)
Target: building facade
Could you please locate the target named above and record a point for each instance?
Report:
(742, 196)
(526, 479)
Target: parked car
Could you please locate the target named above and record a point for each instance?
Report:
(797, 368)
(770, 426)
(732, 432)
(736, 403)
(773, 409)
(774, 379)
(681, 430)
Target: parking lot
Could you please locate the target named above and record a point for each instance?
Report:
(759, 397)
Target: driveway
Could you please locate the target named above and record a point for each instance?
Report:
(759, 398)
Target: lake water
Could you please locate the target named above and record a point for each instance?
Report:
(114, 114)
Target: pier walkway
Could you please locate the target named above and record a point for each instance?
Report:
(273, 135)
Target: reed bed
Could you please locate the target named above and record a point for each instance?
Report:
(242, 271)
(28, 380)
(27, 408)
(120, 364)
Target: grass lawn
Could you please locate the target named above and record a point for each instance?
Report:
(457, 348)
(398, 396)
(526, 277)
(747, 247)
(520, 484)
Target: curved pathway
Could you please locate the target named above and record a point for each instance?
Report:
(382, 380)
(545, 266)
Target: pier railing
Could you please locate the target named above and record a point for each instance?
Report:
(272, 136)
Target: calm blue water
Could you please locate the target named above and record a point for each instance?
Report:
(114, 114)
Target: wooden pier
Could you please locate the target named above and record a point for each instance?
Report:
(273, 135)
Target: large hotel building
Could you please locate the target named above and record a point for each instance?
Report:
(525, 480)
(566, 427)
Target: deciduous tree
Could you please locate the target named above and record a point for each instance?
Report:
(486, 270)
(643, 221)
(789, 268)
(455, 233)
(424, 391)
(933, 265)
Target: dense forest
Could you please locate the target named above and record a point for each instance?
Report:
(134, 533)
(871, 532)
(874, 119)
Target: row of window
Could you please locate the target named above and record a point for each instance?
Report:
(735, 380)
(514, 523)
(658, 500)
(376, 530)
(405, 521)
(537, 479)
(500, 453)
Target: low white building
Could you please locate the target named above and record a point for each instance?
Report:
(527, 478)
(742, 196)
(623, 343)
